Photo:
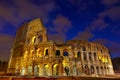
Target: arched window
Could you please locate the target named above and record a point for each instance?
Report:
(92, 71)
(95, 57)
(86, 69)
(57, 53)
(46, 52)
(90, 56)
(34, 40)
(40, 38)
(83, 48)
(85, 57)
(97, 68)
(78, 54)
(65, 53)
(101, 70)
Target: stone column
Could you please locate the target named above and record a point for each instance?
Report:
(87, 55)
(95, 70)
(100, 71)
(50, 69)
(93, 59)
(60, 69)
(82, 62)
(41, 73)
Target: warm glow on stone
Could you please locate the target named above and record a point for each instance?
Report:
(41, 57)
(33, 39)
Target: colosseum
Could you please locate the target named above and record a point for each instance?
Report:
(33, 54)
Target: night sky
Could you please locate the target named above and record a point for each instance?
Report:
(92, 20)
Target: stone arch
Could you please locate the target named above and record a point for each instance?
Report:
(29, 70)
(101, 70)
(46, 69)
(105, 70)
(108, 70)
(57, 53)
(86, 69)
(97, 68)
(36, 70)
(79, 54)
(83, 48)
(74, 70)
(46, 52)
(33, 39)
(92, 70)
(65, 53)
(23, 71)
(95, 56)
(85, 56)
(40, 38)
(67, 70)
(55, 68)
(90, 56)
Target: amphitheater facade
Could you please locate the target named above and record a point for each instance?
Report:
(33, 54)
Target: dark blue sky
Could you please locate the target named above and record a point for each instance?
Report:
(92, 20)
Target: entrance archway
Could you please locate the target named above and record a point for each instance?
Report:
(23, 71)
(30, 70)
(36, 70)
(92, 71)
(46, 69)
(55, 69)
(66, 70)
(86, 69)
(97, 68)
(74, 70)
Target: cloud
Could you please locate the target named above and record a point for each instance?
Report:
(114, 47)
(85, 35)
(6, 42)
(109, 2)
(98, 24)
(17, 11)
(61, 25)
(113, 13)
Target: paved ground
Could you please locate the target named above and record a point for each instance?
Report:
(61, 78)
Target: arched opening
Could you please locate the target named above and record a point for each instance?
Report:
(101, 70)
(83, 48)
(23, 71)
(36, 70)
(108, 70)
(92, 71)
(66, 70)
(30, 70)
(105, 70)
(79, 55)
(46, 69)
(85, 56)
(86, 69)
(95, 57)
(74, 70)
(34, 40)
(57, 53)
(40, 38)
(90, 56)
(97, 68)
(46, 52)
(65, 53)
(55, 69)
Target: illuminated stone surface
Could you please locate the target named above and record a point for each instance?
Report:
(33, 54)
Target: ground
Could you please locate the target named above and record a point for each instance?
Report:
(61, 78)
